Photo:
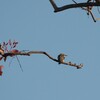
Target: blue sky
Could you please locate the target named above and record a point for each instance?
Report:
(36, 27)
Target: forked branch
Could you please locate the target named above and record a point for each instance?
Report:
(84, 6)
(69, 6)
(41, 52)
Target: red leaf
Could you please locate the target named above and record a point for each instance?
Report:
(15, 51)
(1, 58)
(1, 67)
(1, 73)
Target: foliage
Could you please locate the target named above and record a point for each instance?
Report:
(7, 47)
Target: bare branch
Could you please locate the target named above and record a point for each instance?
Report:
(41, 52)
(69, 6)
(85, 6)
(89, 11)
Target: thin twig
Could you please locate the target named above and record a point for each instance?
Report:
(87, 10)
(11, 61)
(19, 63)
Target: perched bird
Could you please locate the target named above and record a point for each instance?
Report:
(61, 58)
(1, 50)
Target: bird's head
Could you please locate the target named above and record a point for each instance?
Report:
(62, 54)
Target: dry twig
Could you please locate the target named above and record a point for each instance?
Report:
(89, 11)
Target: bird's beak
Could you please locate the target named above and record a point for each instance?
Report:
(65, 55)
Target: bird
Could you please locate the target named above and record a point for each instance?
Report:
(61, 58)
(1, 50)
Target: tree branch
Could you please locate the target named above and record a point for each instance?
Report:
(69, 6)
(40, 52)
(89, 11)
